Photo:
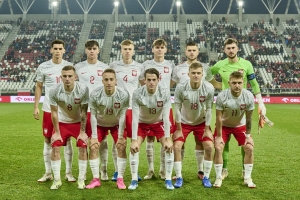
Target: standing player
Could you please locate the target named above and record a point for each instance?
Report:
(165, 69)
(150, 113)
(69, 104)
(108, 105)
(225, 68)
(193, 108)
(48, 73)
(180, 74)
(128, 72)
(90, 73)
(231, 106)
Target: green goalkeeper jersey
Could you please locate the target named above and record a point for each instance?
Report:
(225, 68)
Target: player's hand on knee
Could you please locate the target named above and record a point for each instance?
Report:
(168, 145)
(134, 147)
(177, 134)
(36, 113)
(218, 141)
(250, 141)
(208, 134)
(83, 136)
(94, 143)
(121, 144)
(56, 137)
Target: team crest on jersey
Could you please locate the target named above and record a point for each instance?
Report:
(100, 72)
(77, 101)
(202, 98)
(241, 71)
(243, 106)
(166, 69)
(160, 103)
(134, 73)
(117, 105)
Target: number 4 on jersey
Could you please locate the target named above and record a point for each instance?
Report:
(125, 79)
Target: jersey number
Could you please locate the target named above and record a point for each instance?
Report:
(234, 113)
(152, 110)
(194, 106)
(92, 78)
(125, 79)
(109, 111)
(69, 107)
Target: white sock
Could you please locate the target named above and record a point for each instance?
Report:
(68, 153)
(218, 169)
(182, 155)
(95, 167)
(169, 164)
(82, 164)
(162, 159)
(150, 155)
(134, 165)
(55, 165)
(121, 166)
(103, 154)
(200, 157)
(207, 167)
(47, 152)
(115, 156)
(177, 168)
(248, 170)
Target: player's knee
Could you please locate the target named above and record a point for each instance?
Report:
(209, 149)
(121, 148)
(248, 149)
(56, 151)
(47, 140)
(219, 149)
(82, 151)
(150, 139)
(177, 146)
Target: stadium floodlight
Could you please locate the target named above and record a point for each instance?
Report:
(178, 3)
(116, 3)
(240, 3)
(54, 3)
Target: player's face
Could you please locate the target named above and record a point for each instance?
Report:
(68, 77)
(191, 52)
(127, 51)
(109, 81)
(196, 75)
(57, 51)
(231, 50)
(151, 82)
(159, 51)
(236, 85)
(92, 52)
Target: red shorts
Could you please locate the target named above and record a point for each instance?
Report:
(66, 131)
(238, 133)
(156, 130)
(88, 127)
(172, 125)
(102, 132)
(198, 132)
(128, 125)
(47, 124)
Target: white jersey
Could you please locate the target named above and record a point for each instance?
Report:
(127, 76)
(109, 108)
(49, 73)
(234, 107)
(164, 68)
(181, 72)
(151, 108)
(193, 103)
(90, 74)
(69, 102)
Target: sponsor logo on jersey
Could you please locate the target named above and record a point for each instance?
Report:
(117, 105)
(202, 98)
(77, 100)
(83, 72)
(100, 72)
(160, 103)
(49, 74)
(134, 73)
(166, 69)
(243, 106)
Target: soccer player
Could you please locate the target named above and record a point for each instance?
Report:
(150, 113)
(231, 106)
(48, 74)
(165, 68)
(128, 72)
(225, 68)
(193, 107)
(108, 105)
(69, 104)
(180, 74)
(90, 72)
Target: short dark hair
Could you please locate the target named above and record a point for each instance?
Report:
(159, 42)
(68, 67)
(191, 43)
(151, 71)
(91, 43)
(236, 74)
(230, 41)
(195, 65)
(57, 42)
(109, 70)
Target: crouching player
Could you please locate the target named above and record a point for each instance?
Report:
(231, 106)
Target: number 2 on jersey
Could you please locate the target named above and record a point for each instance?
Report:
(92, 78)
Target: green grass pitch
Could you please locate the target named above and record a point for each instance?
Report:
(276, 165)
